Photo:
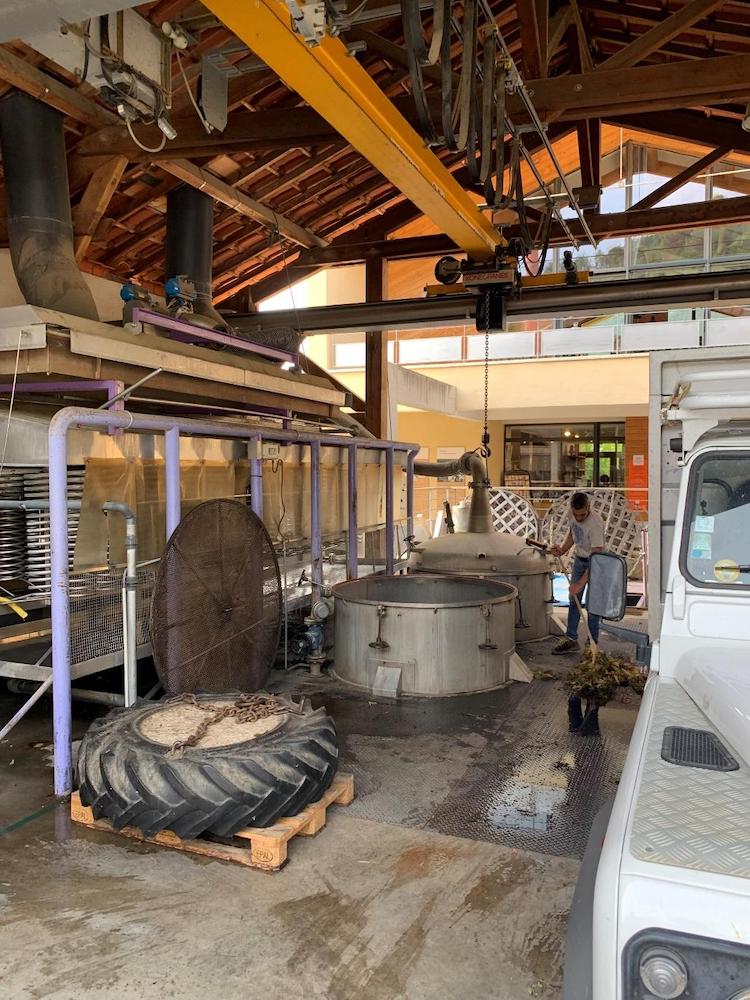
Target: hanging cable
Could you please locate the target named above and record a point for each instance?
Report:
(12, 400)
(137, 141)
(203, 120)
(277, 465)
(485, 449)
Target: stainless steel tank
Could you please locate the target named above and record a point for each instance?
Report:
(424, 635)
(497, 556)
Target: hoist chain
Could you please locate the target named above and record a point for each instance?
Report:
(486, 433)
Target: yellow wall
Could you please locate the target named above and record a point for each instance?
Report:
(559, 390)
(437, 430)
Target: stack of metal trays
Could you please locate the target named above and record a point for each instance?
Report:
(36, 487)
(12, 528)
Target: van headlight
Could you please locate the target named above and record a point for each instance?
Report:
(663, 973)
(667, 965)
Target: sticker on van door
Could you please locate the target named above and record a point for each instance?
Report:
(700, 547)
(727, 571)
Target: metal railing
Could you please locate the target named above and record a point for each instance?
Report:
(464, 344)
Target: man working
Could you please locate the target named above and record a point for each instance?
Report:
(586, 535)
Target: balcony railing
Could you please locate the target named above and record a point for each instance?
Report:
(465, 345)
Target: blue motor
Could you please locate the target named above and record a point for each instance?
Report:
(180, 289)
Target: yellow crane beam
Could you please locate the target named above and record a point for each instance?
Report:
(331, 80)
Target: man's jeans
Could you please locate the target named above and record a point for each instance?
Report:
(580, 566)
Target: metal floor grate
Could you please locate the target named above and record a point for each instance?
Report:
(696, 748)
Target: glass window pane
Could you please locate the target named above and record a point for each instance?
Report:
(429, 349)
(716, 542)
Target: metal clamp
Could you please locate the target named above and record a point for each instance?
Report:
(380, 643)
(309, 20)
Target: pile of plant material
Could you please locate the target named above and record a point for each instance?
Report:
(595, 680)
(597, 677)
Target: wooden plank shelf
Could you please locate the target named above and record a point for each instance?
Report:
(255, 847)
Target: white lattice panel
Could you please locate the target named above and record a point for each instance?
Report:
(513, 513)
(621, 532)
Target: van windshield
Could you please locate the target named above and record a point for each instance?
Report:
(716, 541)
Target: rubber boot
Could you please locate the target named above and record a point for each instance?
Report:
(575, 715)
(590, 724)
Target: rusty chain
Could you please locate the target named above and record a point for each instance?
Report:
(247, 708)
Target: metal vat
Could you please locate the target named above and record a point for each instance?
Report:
(497, 556)
(424, 635)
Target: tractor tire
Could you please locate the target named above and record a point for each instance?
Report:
(228, 783)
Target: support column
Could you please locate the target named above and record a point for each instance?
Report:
(376, 356)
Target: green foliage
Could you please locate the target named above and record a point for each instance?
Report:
(597, 679)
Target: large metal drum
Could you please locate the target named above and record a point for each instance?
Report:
(424, 635)
(498, 556)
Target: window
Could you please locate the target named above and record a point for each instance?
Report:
(716, 536)
(568, 455)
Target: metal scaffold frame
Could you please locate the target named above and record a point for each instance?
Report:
(77, 417)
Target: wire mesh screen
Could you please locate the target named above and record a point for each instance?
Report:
(96, 612)
(216, 609)
(12, 528)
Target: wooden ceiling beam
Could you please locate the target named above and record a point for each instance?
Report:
(534, 25)
(720, 27)
(585, 62)
(609, 42)
(653, 39)
(619, 224)
(26, 77)
(558, 25)
(688, 126)
(675, 183)
(235, 199)
(589, 152)
(90, 210)
(246, 130)
(642, 88)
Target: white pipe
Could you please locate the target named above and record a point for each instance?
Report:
(715, 401)
(130, 584)
(710, 376)
(44, 686)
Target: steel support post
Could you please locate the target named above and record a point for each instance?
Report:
(316, 543)
(389, 511)
(256, 475)
(410, 459)
(352, 559)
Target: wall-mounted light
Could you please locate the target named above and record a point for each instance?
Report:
(566, 434)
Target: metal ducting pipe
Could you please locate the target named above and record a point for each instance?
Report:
(40, 226)
(190, 246)
(469, 464)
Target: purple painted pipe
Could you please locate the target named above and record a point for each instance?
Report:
(172, 486)
(78, 416)
(316, 547)
(256, 479)
(389, 510)
(352, 556)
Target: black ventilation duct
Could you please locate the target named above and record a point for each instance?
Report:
(40, 227)
(190, 249)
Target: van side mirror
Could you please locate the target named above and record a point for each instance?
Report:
(608, 586)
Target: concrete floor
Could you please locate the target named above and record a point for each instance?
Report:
(379, 906)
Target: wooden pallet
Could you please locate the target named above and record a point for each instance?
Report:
(264, 848)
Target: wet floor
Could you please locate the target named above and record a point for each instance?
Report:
(499, 767)
(449, 877)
